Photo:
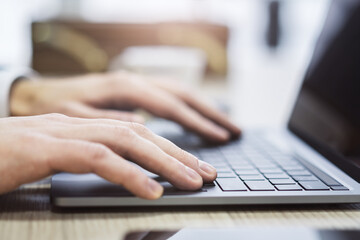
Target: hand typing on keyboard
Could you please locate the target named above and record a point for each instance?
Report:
(92, 96)
(32, 148)
(35, 147)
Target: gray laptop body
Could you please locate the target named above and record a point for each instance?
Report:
(316, 159)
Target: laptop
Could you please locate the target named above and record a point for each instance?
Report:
(315, 159)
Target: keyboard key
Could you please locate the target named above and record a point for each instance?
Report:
(320, 174)
(210, 184)
(244, 167)
(339, 188)
(238, 162)
(209, 151)
(327, 179)
(254, 156)
(295, 167)
(226, 175)
(271, 170)
(265, 165)
(299, 173)
(235, 158)
(223, 169)
(231, 184)
(219, 164)
(260, 186)
(288, 163)
(256, 177)
(305, 178)
(282, 181)
(273, 176)
(292, 187)
(211, 157)
(229, 150)
(313, 185)
(212, 161)
(247, 172)
(261, 161)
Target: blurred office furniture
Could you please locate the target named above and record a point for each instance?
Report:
(185, 64)
(72, 47)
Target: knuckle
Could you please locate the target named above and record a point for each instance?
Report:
(125, 132)
(96, 151)
(131, 139)
(140, 129)
(112, 82)
(117, 80)
(55, 116)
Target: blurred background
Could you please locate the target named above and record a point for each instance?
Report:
(248, 54)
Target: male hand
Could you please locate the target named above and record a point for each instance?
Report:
(32, 148)
(104, 95)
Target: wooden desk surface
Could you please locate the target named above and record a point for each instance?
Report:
(26, 214)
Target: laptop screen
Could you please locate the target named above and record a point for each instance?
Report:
(327, 112)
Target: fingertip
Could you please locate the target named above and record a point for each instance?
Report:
(236, 131)
(221, 135)
(155, 189)
(195, 179)
(209, 170)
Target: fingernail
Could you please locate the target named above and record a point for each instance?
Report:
(155, 188)
(207, 168)
(192, 174)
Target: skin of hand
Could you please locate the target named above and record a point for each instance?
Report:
(32, 148)
(104, 95)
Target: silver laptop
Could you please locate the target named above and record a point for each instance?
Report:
(316, 159)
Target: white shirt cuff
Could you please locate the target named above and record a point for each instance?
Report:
(7, 78)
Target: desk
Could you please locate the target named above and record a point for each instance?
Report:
(26, 214)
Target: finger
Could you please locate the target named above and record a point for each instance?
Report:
(77, 156)
(198, 103)
(84, 111)
(166, 105)
(206, 171)
(209, 111)
(130, 145)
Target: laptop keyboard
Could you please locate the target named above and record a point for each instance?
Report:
(252, 164)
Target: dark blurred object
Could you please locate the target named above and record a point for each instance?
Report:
(78, 47)
(273, 31)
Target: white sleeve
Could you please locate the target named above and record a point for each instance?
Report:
(7, 77)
